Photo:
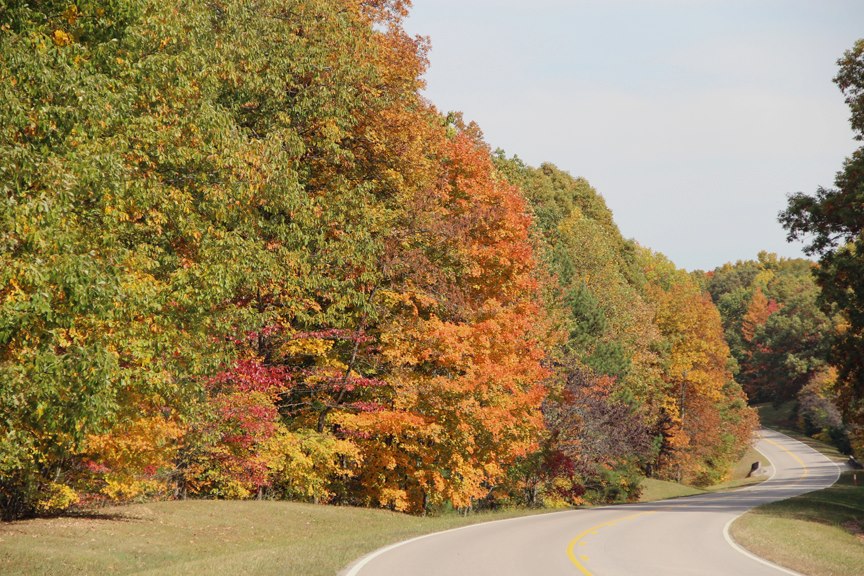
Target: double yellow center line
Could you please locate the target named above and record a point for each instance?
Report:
(577, 541)
(797, 458)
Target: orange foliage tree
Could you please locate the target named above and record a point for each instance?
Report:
(462, 345)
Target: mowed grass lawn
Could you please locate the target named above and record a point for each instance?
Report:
(211, 537)
(204, 537)
(819, 534)
(653, 490)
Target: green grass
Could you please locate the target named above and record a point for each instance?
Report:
(820, 533)
(653, 489)
(211, 537)
(232, 537)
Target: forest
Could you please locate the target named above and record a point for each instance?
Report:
(243, 257)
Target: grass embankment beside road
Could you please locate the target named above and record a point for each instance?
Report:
(212, 537)
(819, 534)
(653, 489)
(235, 537)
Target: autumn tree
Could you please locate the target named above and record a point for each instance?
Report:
(77, 301)
(597, 278)
(778, 334)
(818, 414)
(705, 421)
(464, 342)
(598, 443)
(640, 326)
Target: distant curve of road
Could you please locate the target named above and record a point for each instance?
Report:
(681, 537)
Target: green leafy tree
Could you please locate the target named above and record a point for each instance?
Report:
(832, 221)
(777, 332)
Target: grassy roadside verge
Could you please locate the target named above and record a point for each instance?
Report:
(212, 537)
(235, 537)
(653, 490)
(819, 534)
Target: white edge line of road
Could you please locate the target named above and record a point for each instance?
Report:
(750, 555)
(728, 537)
(354, 569)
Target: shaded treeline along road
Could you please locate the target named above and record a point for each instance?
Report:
(242, 257)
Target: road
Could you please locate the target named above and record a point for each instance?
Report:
(685, 536)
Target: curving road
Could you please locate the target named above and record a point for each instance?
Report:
(686, 536)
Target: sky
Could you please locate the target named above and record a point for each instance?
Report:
(693, 118)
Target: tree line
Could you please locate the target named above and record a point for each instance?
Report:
(242, 256)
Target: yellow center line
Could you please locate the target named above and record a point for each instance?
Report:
(795, 456)
(577, 541)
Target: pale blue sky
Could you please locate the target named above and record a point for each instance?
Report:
(693, 118)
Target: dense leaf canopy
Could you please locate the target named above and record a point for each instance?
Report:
(241, 256)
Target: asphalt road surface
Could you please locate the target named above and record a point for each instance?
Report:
(685, 536)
